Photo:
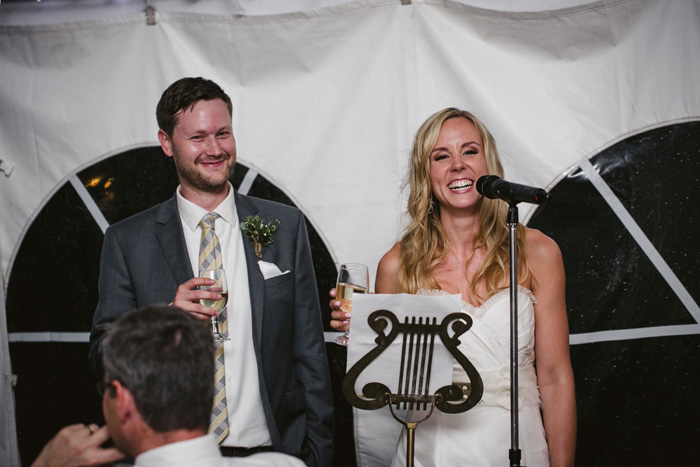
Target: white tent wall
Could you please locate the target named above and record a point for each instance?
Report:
(557, 87)
(326, 101)
(343, 89)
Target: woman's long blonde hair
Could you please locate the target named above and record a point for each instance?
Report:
(424, 243)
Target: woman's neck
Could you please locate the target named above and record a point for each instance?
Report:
(461, 232)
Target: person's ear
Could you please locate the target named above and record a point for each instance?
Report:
(165, 143)
(126, 402)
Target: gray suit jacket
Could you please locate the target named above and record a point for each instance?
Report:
(144, 260)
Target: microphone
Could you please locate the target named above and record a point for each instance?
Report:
(495, 187)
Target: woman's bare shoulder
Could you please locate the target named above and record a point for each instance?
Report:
(388, 270)
(539, 246)
(392, 258)
(544, 258)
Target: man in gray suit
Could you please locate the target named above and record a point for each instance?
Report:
(280, 396)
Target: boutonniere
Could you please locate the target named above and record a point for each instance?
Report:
(259, 232)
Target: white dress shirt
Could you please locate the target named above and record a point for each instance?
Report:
(243, 399)
(204, 452)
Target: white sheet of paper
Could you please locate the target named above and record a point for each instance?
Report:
(385, 368)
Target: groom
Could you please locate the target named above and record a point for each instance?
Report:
(277, 387)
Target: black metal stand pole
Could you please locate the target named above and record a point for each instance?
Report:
(514, 453)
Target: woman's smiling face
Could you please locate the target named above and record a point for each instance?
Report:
(456, 163)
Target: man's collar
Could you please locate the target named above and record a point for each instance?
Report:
(183, 452)
(192, 213)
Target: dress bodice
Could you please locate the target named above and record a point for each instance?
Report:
(487, 346)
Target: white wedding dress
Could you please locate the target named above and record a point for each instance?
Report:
(481, 437)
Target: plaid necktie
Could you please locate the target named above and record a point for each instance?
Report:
(210, 258)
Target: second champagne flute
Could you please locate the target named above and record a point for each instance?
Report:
(220, 287)
(352, 278)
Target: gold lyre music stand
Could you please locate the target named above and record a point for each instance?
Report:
(414, 374)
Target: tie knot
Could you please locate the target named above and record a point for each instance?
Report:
(208, 220)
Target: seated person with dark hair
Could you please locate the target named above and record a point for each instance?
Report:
(158, 391)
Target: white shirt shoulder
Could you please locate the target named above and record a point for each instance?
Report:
(265, 459)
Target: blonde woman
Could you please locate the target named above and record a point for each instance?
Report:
(457, 243)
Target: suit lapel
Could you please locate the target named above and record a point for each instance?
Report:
(172, 241)
(256, 282)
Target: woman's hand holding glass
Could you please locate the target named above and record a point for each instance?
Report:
(340, 319)
(352, 278)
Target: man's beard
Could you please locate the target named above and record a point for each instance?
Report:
(191, 176)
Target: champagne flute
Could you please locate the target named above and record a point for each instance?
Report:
(352, 278)
(220, 287)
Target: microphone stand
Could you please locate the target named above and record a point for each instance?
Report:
(493, 187)
(514, 453)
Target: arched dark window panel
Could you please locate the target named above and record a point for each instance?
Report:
(632, 295)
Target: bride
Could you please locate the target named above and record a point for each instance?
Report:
(457, 243)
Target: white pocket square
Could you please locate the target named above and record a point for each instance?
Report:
(270, 270)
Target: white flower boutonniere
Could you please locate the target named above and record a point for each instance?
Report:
(259, 232)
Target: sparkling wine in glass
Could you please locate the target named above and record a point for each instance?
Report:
(220, 287)
(352, 278)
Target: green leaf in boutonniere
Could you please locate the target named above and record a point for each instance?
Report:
(259, 232)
